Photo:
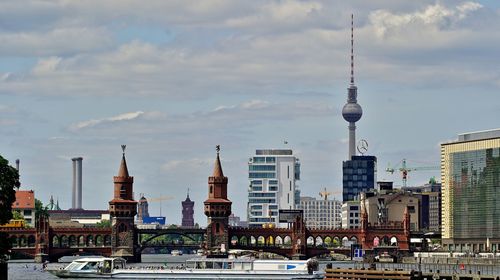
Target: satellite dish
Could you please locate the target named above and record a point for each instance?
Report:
(362, 146)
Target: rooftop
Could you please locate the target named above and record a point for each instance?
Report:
(24, 199)
(479, 135)
(274, 152)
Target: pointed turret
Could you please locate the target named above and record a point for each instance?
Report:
(218, 168)
(123, 171)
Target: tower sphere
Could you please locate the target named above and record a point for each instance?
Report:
(352, 112)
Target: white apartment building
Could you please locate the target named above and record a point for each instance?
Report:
(272, 175)
(351, 214)
(321, 213)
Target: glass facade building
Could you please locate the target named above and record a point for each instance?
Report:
(470, 171)
(272, 186)
(359, 175)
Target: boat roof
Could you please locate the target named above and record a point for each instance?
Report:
(244, 260)
(97, 259)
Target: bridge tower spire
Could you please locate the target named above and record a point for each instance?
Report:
(217, 210)
(122, 209)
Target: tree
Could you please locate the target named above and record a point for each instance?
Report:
(103, 224)
(9, 179)
(16, 215)
(40, 210)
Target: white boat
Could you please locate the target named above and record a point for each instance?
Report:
(200, 268)
(176, 253)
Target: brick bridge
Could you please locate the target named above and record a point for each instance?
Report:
(123, 238)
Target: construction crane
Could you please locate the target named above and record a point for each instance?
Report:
(160, 199)
(324, 193)
(404, 169)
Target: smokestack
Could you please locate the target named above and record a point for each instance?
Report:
(17, 164)
(76, 202)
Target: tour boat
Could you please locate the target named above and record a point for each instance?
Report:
(199, 268)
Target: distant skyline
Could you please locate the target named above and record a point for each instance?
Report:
(172, 79)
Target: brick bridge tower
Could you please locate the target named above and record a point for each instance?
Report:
(187, 212)
(122, 210)
(217, 209)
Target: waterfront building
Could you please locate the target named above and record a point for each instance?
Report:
(25, 205)
(273, 176)
(321, 213)
(351, 214)
(359, 174)
(430, 205)
(187, 212)
(386, 207)
(470, 177)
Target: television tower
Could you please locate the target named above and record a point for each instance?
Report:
(352, 111)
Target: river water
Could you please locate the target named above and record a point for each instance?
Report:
(28, 270)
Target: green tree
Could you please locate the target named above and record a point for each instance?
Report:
(40, 210)
(9, 179)
(16, 215)
(103, 224)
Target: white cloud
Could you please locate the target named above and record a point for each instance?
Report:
(434, 16)
(94, 122)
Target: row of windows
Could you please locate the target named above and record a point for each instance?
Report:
(261, 167)
(264, 159)
(256, 207)
(263, 175)
(261, 200)
(262, 195)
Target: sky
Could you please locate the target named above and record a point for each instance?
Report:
(173, 79)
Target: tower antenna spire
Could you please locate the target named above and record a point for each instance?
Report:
(352, 49)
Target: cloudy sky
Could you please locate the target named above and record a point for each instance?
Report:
(172, 79)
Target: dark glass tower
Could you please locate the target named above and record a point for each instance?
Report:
(359, 175)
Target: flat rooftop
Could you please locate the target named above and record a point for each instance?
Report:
(479, 135)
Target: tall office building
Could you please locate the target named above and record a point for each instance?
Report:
(272, 175)
(359, 175)
(470, 177)
(321, 213)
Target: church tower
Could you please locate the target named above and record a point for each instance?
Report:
(217, 209)
(122, 210)
(187, 212)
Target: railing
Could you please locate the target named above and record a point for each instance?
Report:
(365, 274)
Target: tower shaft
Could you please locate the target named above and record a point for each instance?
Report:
(352, 139)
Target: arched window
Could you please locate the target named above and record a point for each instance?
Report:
(217, 227)
(211, 189)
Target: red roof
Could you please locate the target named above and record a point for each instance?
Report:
(24, 199)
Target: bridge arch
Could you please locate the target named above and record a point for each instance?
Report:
(99, 241)
(107, 240)
(253, 241)
(31, 241)
(55, 241)
(64, 242)
(278, 241)
(394, 241)
(72, 241)
(166, 233)
(319, 241)
(270, 241)
(310, 241)
(81, 241)
(287, 241)
(243, 241)
(261, 241)
(22, 241)
(234, 240)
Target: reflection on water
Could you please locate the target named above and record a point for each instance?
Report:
(28, 270)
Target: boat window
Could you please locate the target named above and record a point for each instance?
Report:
(238, 266)
(209, 265)
(191, 265)
(247, 266)
(218, 265)
(90, 266)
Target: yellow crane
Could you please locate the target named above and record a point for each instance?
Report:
(160, 199)
(324, 193)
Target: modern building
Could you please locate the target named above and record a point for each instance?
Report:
(321, 213)
(359, 174)
(187, 212)
(25, 205)
(273, 175)
(430, 205)
(351, 214)
(470, 177)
